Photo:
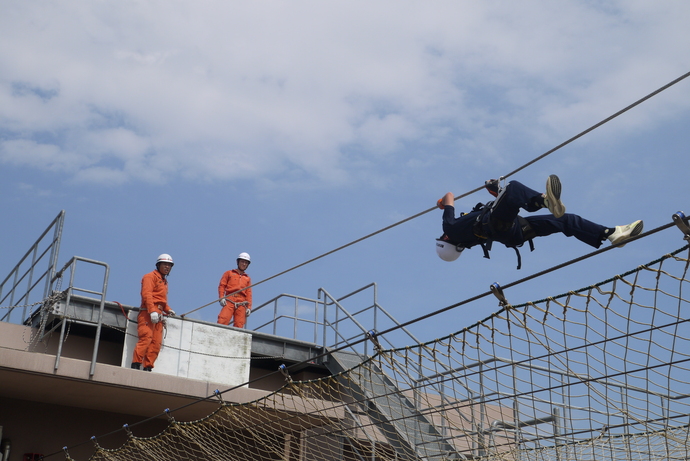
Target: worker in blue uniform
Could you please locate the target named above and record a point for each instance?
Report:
(499, 221)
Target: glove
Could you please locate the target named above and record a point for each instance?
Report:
(493, 186)
(155, 317)
(248, 311)
(171, 312)
(223, 302)
(439, 203)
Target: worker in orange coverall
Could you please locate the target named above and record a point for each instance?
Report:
(154, 305)
(236, 301)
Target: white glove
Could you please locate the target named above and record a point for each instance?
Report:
(223, 302)
(171, 312)
(248, 311)
(155, 317)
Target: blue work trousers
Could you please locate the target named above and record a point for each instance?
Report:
(505, 227)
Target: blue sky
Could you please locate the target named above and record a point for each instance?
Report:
(288, 129)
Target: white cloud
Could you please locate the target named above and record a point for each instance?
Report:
(101, 175)
(43, 156)
(214, 90)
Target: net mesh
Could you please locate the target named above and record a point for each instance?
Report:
(598, 373)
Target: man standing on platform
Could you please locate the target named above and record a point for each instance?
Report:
(235, 297)
(154, 305)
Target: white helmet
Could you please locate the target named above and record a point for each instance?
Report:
(448, 251)
(244, 256)
(164, 258)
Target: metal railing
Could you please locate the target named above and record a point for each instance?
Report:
(39, 265)
(12, 291)
(328, 322)
(65, 317)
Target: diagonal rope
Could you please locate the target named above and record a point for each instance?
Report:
(584, 379)
(416, 320)
(594, 127)
(391, 226)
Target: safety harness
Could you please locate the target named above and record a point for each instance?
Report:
(484, 229)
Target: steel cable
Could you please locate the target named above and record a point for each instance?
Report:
(536, 159)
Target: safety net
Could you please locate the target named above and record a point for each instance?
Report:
(597, 373)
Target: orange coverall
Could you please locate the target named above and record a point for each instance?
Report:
(154, 298)
(230, 282)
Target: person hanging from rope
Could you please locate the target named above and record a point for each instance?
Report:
(154, 305)
(498, 221)
(235, 297)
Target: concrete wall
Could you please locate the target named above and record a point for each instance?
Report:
(198, 350)
(37, 427)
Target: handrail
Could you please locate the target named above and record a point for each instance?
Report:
(72, 265)
(54, 248)
(295, 318)
(324, 320)
(335, 329)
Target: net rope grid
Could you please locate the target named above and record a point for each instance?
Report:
(464, 386)
(477, 449)
(512, 311)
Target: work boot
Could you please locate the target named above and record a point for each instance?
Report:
(136, 365)
(148, 368)
(552, 198)
(623, 233)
